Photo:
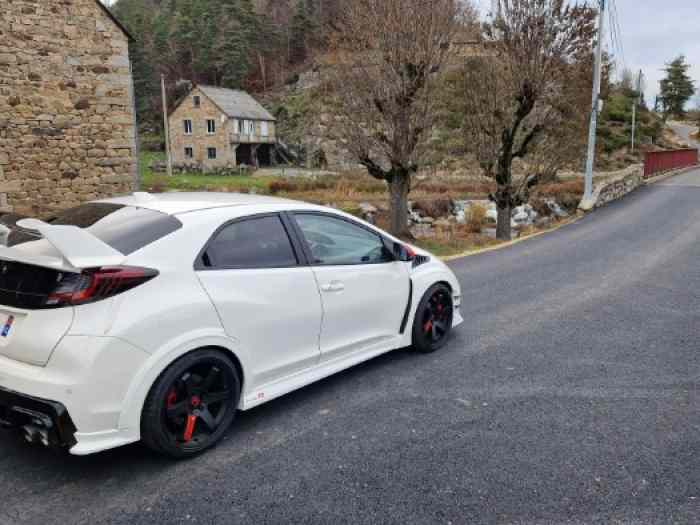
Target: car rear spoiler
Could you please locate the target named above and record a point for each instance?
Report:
(78, 248)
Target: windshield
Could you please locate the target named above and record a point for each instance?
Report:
(124, 228)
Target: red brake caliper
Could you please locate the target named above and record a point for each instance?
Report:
(189, 428)
(191, 420)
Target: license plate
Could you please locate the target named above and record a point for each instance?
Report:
(7, 322)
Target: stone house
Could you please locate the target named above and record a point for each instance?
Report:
(67, 117)
(214, 128)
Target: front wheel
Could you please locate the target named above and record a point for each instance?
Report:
(433, 321)
(191, 405)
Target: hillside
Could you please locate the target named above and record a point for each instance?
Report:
(615, 129)
(306, 117)
(255, 45)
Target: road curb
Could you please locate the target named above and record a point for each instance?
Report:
(508, 244)
(645, 182)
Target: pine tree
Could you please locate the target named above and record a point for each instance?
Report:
(677, 88)
(220, 42)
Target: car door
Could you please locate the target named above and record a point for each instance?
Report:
(363, 287)
(265, 297)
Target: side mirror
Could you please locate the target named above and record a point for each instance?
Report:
(403, 253)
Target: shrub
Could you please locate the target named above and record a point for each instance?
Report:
(477, 218)
(568, 194)
(540, 206)
(436, 208)
(282, 186)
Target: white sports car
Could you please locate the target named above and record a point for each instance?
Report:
(156, 318)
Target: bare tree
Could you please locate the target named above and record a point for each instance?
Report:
(388, 54)
(519, 93)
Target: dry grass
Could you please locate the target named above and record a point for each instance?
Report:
(476, 219)
(568, 194)
(437, 207)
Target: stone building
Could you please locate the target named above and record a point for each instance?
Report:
(67, 117)
(214, 128)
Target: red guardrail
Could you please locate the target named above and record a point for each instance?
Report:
(659, 161)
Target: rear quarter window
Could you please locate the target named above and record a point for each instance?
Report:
(127, 229)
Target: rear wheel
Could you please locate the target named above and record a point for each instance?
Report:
(191, 405)
(433, 321)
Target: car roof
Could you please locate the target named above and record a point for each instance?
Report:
(174, 203)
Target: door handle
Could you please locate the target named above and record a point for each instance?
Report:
(334, 286)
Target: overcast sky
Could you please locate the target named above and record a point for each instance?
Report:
(654, 33)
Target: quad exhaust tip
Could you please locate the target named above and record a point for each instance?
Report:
(35, 434)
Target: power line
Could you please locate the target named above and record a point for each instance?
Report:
(616, 34)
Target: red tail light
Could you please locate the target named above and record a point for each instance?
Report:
(96, 285)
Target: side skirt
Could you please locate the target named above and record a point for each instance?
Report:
(295, 382)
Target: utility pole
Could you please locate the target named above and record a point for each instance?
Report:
(634, 109)
(166, 126)
(595, 107)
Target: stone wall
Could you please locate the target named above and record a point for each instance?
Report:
(614, 188)
(67, 120)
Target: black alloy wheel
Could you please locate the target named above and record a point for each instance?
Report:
(433, 320)
(191, 405)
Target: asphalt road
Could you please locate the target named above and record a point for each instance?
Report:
(569, 396)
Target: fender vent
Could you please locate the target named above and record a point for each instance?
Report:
(419, 260)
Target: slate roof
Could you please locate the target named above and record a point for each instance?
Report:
(236, 104)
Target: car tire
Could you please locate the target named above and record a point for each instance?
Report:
(191, 405)
(432, 323)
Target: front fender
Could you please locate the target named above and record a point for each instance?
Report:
(425, 276)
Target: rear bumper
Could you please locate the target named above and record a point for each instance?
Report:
(86, 382)
(20, 410)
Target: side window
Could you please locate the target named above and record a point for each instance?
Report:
(188, 127)
(211, 126)
(260, 242)
(211, 153)
(197, 101)
(336, 242)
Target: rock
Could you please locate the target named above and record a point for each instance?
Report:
(368, 212)
(427, 220)
(543, 222)
(366, 207)
(442, 223)
(423, 231)
(524, 215)
(556, 210)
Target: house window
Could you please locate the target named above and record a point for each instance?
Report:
(188, 127)
(189, 153)
(251, 127)
(211, 126)
(197, 101)
(264, 129)
(211, 153)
